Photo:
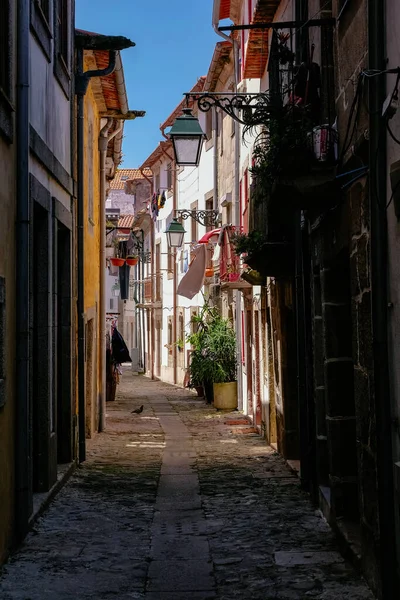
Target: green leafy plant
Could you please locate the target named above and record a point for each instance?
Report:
(281, 151)
(248, 243)
(213, 358)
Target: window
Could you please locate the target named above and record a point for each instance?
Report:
(5, 69)
(181, 340)
(158, 272)
(40, 24)
(158, 183)
(209, 206)
(2, 341)
(5, 31)
(62, 30)
(170, 341)
(169, 176)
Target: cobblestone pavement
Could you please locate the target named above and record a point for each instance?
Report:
(179, 503)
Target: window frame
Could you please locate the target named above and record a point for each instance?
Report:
(6, 95)
(62, 64)
(41, 25)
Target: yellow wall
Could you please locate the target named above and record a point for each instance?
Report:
(91, 187)
(92, 235)
(7, 414)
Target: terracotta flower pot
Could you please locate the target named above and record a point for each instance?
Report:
(209, 272)
(132, 261)
(117, 262)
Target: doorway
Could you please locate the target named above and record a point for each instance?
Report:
(44, 409)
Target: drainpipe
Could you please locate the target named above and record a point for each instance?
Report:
(238, 295)
(23, 449)
(379, 266)
(104, 139)
(82, 80)
(175, 273)
(175, 286)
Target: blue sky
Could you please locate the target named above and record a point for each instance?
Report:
(174, 46)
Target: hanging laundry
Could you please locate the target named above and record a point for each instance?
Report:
(154, 207)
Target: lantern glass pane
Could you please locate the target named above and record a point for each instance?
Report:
(187, 149)
(175, 239)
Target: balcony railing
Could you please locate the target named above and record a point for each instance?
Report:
(229, 265)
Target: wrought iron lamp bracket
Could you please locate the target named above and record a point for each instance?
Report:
(247, 109)
(207, 218)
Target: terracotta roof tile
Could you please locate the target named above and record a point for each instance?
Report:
(123, 175)
(224, 9)
(257, 45)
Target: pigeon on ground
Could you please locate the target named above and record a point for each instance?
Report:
(138, 410)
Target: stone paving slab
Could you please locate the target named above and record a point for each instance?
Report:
(186, 575)
(171, 504)
(181, 547)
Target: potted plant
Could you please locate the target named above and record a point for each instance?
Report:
(220, 351)
(271, 258)
(116, 261)
(132, 260)
(213, 358)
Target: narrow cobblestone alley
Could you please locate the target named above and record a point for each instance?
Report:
(179, 503)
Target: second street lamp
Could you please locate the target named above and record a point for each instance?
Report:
(187, 138)
(175, 234)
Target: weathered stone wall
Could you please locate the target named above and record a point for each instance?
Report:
(342, 320)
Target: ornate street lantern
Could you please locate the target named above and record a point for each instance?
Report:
(175, 234)
(187, 138)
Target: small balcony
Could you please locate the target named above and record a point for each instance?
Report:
(296, 154)
(230, 269)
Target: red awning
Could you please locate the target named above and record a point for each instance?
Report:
(210, 234)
